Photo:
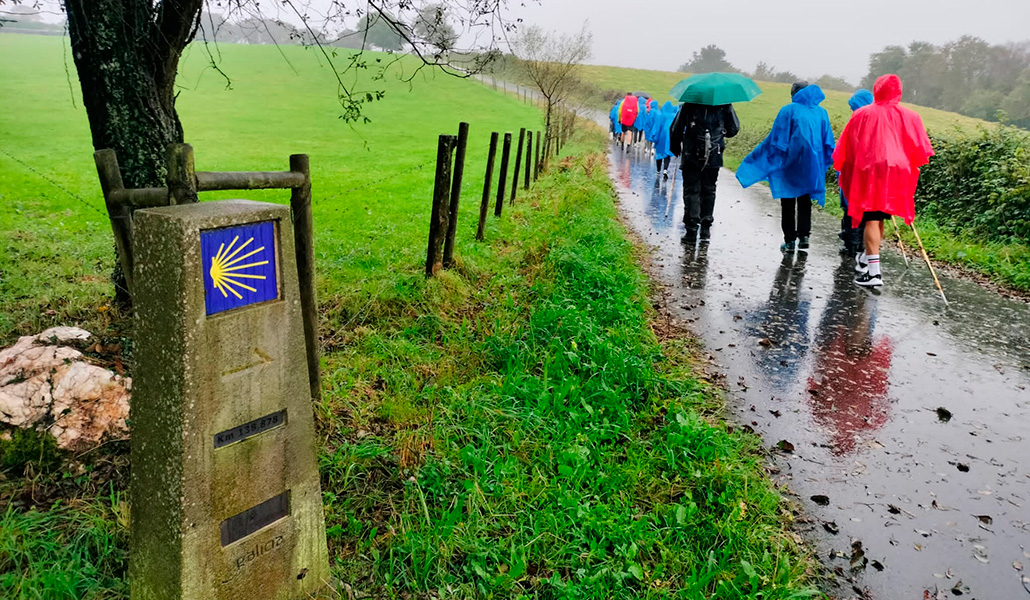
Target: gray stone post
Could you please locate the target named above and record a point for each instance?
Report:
(225, 495)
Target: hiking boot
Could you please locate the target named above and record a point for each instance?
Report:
(666, 175)
(706, 233)
(803, 244)
(690, 237)
(788, 247)
(860, 265)
(870, 281)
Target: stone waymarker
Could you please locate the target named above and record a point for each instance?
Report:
(225, 494)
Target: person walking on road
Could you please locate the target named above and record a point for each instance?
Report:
(849, 233)
(698, 135)
(627, 117)
(615, 127)
(879, 155)
(794, 158)
(659, 136)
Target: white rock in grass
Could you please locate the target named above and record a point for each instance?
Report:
(52, 386)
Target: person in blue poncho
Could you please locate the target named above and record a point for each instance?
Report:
(852, 236)
(616, 126)
(641, 123)
(660, 135)
(794, 158)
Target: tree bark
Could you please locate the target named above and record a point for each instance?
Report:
(127, 54)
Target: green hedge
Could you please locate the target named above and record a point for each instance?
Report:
(979, 186)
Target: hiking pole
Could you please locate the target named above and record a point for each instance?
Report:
(901, 244)
(926, 257)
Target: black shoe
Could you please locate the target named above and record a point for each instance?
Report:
(690, 237)
(867, 280)
(706, 233)
(803, 244)
(788, 247)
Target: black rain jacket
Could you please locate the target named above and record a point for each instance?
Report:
(698, 135)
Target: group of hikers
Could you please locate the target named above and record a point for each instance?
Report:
(877, 158)
(638, 118)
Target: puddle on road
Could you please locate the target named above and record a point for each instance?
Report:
(852, 381)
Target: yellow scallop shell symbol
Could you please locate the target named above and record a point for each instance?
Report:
(225, 268)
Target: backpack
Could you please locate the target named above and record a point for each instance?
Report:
(704, 135)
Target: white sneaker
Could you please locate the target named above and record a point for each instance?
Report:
(860, 265)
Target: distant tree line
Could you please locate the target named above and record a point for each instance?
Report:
(712, 59)
(967, 76)
(24, 19)
(373, 30)
(429, 26)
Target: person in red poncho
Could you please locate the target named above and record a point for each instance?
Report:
(628, 116)
(878, 156)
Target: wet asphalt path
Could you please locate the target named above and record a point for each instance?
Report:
(852, 380)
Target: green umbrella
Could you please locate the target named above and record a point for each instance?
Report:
(713, 89)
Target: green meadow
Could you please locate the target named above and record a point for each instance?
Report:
(373, 183)
(511, 428)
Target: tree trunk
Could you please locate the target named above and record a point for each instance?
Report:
(127, 54)
(548, 135)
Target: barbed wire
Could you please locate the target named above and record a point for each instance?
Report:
(369, 184)
(54, 183)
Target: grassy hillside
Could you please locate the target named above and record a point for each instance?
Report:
(373, 183)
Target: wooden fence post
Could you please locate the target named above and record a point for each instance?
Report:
(120, 214)
(459, 173)
(182, 177)
(502, 183)
(536, 166)
(529, 158)
(441, 197)
(518, 165)
(304, 241)
(484, 207)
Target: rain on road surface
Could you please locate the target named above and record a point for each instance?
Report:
(853, 380)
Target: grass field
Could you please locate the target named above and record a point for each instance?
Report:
(372, 189)
(513, 428)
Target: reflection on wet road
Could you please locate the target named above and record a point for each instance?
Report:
(853, 380)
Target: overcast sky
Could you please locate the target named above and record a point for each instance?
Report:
(808, 37)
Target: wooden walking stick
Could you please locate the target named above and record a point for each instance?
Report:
(926, 257)
(901, 244)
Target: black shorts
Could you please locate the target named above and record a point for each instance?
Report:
(875, 215)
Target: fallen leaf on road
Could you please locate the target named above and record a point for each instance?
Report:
(765, 342)
(943, 414)
(858, 558)
(776, 413)
(894, 510)
(831, 526)
(1017, 565)
(985, 519)
(785, 446)
(821, 500)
